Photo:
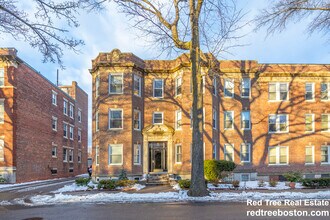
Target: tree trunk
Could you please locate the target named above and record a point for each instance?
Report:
(198, 187)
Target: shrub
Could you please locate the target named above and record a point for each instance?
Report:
(293, 176)
(235, 183)
(315, 183)
(107, 184)
(2, 180)
(272, 183)
(184, 184)
(261, 183)
(81, 181)
(214, 169)
(122, 175)
(125, 183)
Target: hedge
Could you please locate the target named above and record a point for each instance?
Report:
(315, 183)
(214, 168)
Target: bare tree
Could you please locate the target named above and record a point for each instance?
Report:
(42, 25)
(188, 25)
(280, 13)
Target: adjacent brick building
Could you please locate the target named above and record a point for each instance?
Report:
(34, 114)
(267, 118)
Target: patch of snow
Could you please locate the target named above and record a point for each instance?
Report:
(176, 187)
(70, 188)
(26, 183)
(84, 175)
(138, 187)
(3, 203)
(253, 185)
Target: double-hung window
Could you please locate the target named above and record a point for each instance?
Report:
(325, 91)
(325, 122)
(70, 155)
(54, 151)
(157, 118)
(97, 86)
(178, 153)
(79, 135)
(65, 130)
(229, 88)
(54, 123)
(65, 107)
(2, 111)
(79, 156)
(325, 156)
(115, 83)
(97, 154)
(245, 152)
(115, 119)
(65, 154)
(137, 119)
(71, 132)
(71, 110)
(2, 150)
(97, 126)
(245, 120)
(278, 123)
(245, 88)
(158, 86)
(214, 151)
(278, 91)
(54, 98)
(137, 154)
(178, 85)
(229, 152)
(309, 92)
(115, 154)
(214, 119)
(214, 86)
(79, 115)
(2, 77)
(278, 155)
(178, 120)
(137, 85)
(309, 155)
(309, 122)
(229, 119)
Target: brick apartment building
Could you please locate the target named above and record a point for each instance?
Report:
(267, 118)
(43, 127)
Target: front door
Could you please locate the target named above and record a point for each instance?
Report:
(157, 157)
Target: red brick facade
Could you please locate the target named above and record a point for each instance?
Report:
(28, 135)
(287, 146)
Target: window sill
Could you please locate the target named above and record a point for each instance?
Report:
(325, 164)
(54, 130)
(279, 100)
(178, 163)
(278, 165)
(115, 129)
(309, 164)
(115, 164)
(65, 138)
(313, 100)
(55, 157)
(64, 161)
(245, 97)
(284, 132)
(137, 164)
(137, 129)
(116, 93)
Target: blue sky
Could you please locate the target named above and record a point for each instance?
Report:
(104, 31)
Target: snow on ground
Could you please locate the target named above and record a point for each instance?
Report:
(253, 185)
(138, 187)
(74, 187)
(26, 183)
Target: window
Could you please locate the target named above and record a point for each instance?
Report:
(229, 88)
(137, 85)
(65, 155)
(137, 154)
(65, 130)
(191, 118)
(97, 86)
(178, 153)
(79, 156)
(309, 122)
(278, 155)
(214, 86)
(214, 151)
(137, 120)
(71, 132)
(116, 119)
(116, 83)
(79, 135)
(178, 120)
(325, 122)
(245, 88)
(325, 91)
(245, 120)
(65, 107)
(245, 152)
(2, 77)
(71, 110)
(309, 155)
(278, 91)
(2, 150)
(54, 98)
(178, 85)
(54, 151)
(229, 152)
(97, 121)
(2, 111)
(71, 155)
(116, 154)
(97, 153)
(79, 115)
(278, 124)
(54, 123)
(245, 177)
(214, 119)
(229, 120)
(325, 156)
(157, 118)
(158, 88)
(309, 91)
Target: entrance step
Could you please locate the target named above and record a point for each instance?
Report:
(158, 179)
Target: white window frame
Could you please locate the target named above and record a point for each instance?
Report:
(71, 110)
(54, 147)
(179, 78)
(139, 120)
(65, 128)
(2, 111)
(278, 92)
(79, 115)
(178, 117)
(122, 118)
(153, 118)
(249, 113)
(233, 120)
(313, 92)
(2, 149)
(242, 84)
(328, 91)
(215, 151)
(79, 135)
(214, 119)
(328, 130)
(54, 119)
(97, 155)
(326, 146)
(97, 121)
(79, 156)
(248, 145)
(70, 156)
(137, 148)
(139, 80)
(215, 86)
(65, 107)
(313, 155)
(97, 86)
(65, 149)
(153, 88)
(71, 132)
(110, 146)
(122, 83)
(277, 124)
(232, 81)
(313, 124)
(226, 152)
(178, 154)
(278, 155)
(2, 77)
(54, 98)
